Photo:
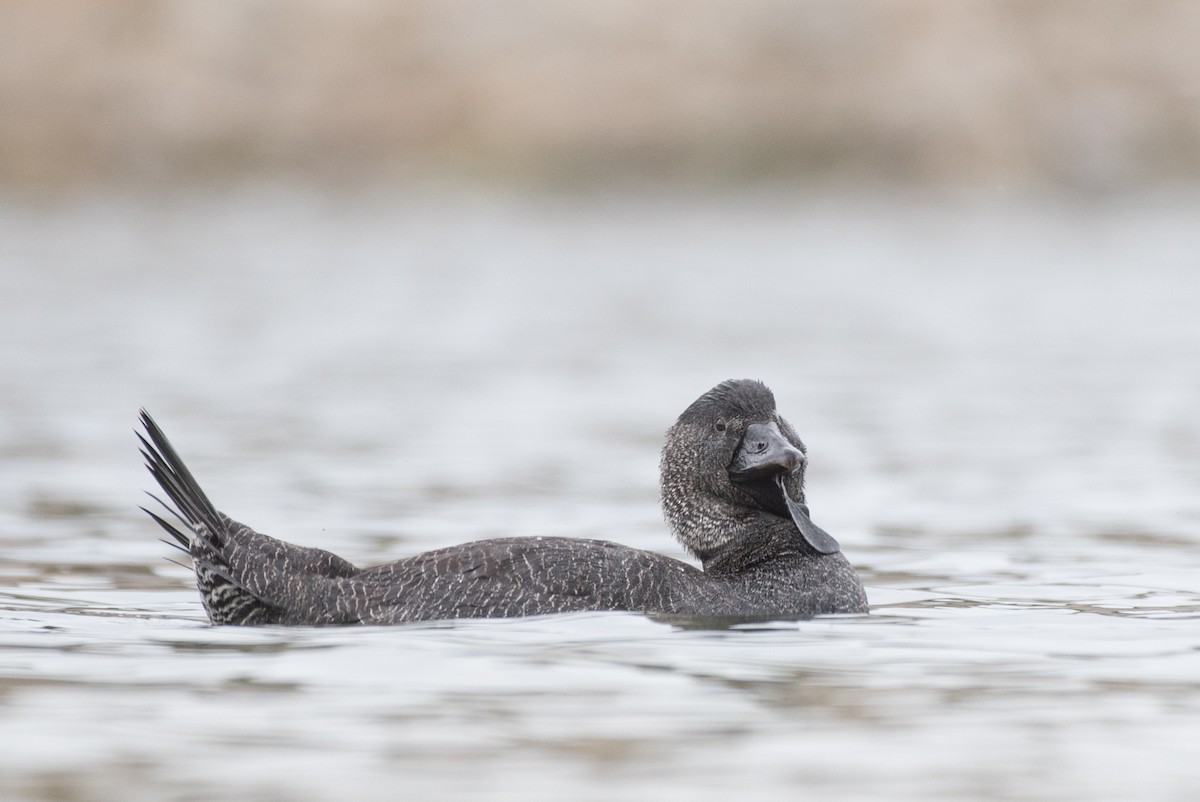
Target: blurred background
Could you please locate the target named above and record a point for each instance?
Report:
(1078, 94)
(395, 276)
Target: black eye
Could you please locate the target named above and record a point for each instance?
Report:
(719, 425)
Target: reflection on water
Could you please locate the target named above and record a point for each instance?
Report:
(999, 399)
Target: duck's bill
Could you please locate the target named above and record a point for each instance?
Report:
(761, 465)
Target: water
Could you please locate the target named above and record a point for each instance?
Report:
(1000, 398)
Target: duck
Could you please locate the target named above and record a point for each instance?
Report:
(732, 488)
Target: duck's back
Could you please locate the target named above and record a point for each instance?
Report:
(524, 576)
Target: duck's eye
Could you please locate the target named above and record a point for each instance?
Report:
(719, 425)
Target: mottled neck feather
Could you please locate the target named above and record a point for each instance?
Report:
(699, 522)
(768, 537)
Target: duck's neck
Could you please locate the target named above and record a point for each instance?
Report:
(756, 540)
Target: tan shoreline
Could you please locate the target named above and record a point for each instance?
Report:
(1065, 93)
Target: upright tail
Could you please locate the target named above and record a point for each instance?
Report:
(226, 597)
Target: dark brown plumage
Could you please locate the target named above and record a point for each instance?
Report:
(732, 493)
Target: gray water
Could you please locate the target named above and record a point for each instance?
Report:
(1001, 399)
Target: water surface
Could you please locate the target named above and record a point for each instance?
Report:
(999, 397)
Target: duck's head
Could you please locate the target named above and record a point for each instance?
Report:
(731, 460)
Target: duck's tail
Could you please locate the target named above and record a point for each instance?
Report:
(208, 535)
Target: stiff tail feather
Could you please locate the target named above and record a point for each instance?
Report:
(204, 535)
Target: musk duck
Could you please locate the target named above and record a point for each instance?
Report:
(732, 481)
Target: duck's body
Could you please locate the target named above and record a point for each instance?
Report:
(762, 556)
